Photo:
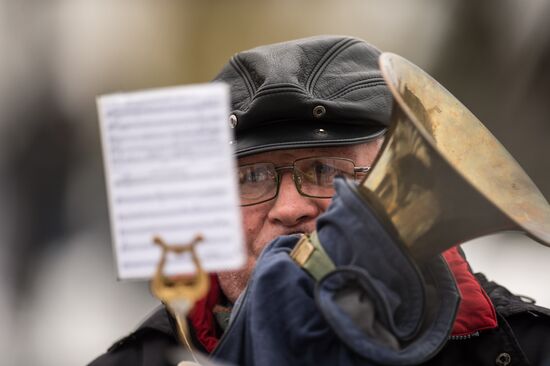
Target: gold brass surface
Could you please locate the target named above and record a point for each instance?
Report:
(180, 293)
(442, 178)
(302, 251)
(190, 288)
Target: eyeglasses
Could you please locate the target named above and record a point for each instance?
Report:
(313, 178)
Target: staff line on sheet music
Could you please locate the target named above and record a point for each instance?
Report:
(210, 192)
(196, 107)
(195, 209)
(176, 226)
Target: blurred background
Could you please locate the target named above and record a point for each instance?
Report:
(60, 303)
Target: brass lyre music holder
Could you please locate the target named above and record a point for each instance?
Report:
(180, 293)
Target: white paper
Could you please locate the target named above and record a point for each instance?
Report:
(170, 172)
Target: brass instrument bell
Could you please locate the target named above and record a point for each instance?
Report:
(442, 178)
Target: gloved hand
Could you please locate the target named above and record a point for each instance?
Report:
(378, 301)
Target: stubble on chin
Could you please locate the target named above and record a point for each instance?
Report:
(234, 282)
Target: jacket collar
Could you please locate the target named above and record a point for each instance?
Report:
(476, 311)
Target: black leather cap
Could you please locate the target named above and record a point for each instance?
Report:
(318, 91)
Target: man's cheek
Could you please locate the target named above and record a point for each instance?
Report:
(252, 225)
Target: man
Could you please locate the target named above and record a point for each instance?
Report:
(305, 112)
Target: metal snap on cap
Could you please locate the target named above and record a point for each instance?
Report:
(321, 132)
(233, 121)
(319, 111)
(503, 359)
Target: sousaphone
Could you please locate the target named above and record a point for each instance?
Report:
(442, 178)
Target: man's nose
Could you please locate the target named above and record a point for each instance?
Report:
(290, 207)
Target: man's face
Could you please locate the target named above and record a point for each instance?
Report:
(289, 212)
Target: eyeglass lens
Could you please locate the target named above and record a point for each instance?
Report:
(313, 177)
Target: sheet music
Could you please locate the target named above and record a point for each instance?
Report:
(170, 172)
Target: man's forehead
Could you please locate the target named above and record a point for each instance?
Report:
(289, 155)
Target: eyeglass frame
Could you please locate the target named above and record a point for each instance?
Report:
(356, 170)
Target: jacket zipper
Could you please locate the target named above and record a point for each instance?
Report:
(237, 310)
(463, 337)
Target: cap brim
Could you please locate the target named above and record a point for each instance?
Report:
(293, 136)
